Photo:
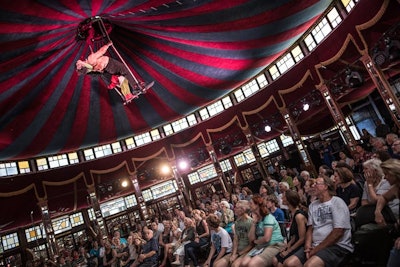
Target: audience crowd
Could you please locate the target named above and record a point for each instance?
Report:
(295, 218)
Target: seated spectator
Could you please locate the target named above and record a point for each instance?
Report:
(241, 242)
(347, 189)
(167, 240)
(271, 202)
(345, 158)
(201, 238)
(390, 138)
(297, 232)
(325, 170)
(283, 187)
(188, 235)
(148, 256)
(328, 237)
(396, 149)
(117, 234)
(378, 143)
(310, 191)
(119, 249)
(227, 216)
(110, 256)
(299, 183)
(376, 185)
(391, 169)
(286, 178)
(95, 254)
(129, 253)
(267, 232)
(221, 242)
(305, 175)
(246, 194)
(275, 186)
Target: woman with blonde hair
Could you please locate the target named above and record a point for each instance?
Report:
(376, 185)
(188, 235)
(391, 169)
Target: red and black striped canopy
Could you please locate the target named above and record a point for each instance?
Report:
(195, 50)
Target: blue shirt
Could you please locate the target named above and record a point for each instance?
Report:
(279, 215)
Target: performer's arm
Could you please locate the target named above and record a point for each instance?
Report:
(102, 50)
(92, 58)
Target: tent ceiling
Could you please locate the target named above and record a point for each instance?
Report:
(195, 51)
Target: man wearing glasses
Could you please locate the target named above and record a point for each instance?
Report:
(328, 237)
(396, 149)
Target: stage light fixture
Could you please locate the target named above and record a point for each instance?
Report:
(268, 128)
(124, 183)
(306, 106)
(353, 78)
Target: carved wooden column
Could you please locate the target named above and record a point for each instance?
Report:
(181, 186)
(139, 197)
(220, 173)
(338, 116)
(294, 131)
(383, 87)
(48, 227)
(253, 145)
(99, 222)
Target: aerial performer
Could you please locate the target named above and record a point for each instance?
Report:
(98, 62)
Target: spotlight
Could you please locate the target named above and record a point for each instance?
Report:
(268, 128)
(306, 107)
(124, 183)
(183, 164)
(165, 170)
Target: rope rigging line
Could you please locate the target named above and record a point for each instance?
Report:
(105, 33)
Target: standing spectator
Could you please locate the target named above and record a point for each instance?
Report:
(381, 129)
(391, 169)
(326, 153)
(221, 242)
(266, 229)
(366, 137)
(328, 237)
